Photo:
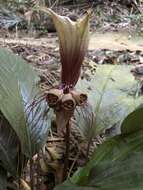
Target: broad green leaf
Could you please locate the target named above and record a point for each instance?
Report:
(117, 148)
(113, 93)
(18, 87)
(118, 162)
(125, 174)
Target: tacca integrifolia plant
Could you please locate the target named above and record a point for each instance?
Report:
(73, 40)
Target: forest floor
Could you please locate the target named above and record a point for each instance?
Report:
(115, 28)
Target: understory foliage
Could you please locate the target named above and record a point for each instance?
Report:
(26, 112)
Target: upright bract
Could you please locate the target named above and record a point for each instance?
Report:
(73, 40)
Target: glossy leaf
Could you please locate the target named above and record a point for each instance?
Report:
(18, 87)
